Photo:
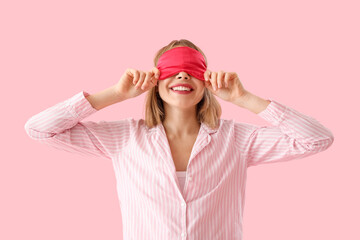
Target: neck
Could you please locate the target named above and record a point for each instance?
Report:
(180, 123)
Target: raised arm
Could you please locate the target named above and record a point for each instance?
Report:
(105, 98)
(293, 135)
(61, 126)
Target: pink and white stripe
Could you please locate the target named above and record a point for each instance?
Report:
(152, 203)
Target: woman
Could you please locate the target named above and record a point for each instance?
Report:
(181, 172)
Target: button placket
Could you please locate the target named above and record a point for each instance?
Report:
(183, 210)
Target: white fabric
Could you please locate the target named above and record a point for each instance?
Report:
(181, 177)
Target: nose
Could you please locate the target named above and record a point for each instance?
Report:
(182, 75)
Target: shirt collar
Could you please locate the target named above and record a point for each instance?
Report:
(203, 127)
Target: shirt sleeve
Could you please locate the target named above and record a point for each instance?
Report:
(61, 127)
(293, 135)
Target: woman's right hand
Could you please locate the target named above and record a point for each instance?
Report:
(134, 82)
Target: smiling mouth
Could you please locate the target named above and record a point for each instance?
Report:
(182, 91)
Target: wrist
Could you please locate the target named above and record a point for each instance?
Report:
(118, 97)
(252, 102)
(241, 100)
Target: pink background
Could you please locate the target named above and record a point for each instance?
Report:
(305, 54)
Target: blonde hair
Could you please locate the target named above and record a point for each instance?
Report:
(208, 110)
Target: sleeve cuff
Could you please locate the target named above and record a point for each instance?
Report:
(79, 106)
(274, 112)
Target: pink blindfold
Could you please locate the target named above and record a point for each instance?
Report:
(182, 59)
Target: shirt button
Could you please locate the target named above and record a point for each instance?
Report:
(183, 204)
(183, 234)
(190, 178)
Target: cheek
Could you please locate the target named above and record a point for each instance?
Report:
(202, 89)
(200, 94)
(161, 86)
(163, 83)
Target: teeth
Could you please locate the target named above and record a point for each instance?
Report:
(181, 88)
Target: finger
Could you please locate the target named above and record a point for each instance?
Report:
(148, 76)
(141, 80)
(156, 71)
(226, 80)
(130, 72)
(136, 75)
(207, 74)
(213, 80)
(154, 81)
(219, 79)
(208, 85)
(157, 75)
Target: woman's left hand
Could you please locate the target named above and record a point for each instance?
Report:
(225, 85)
